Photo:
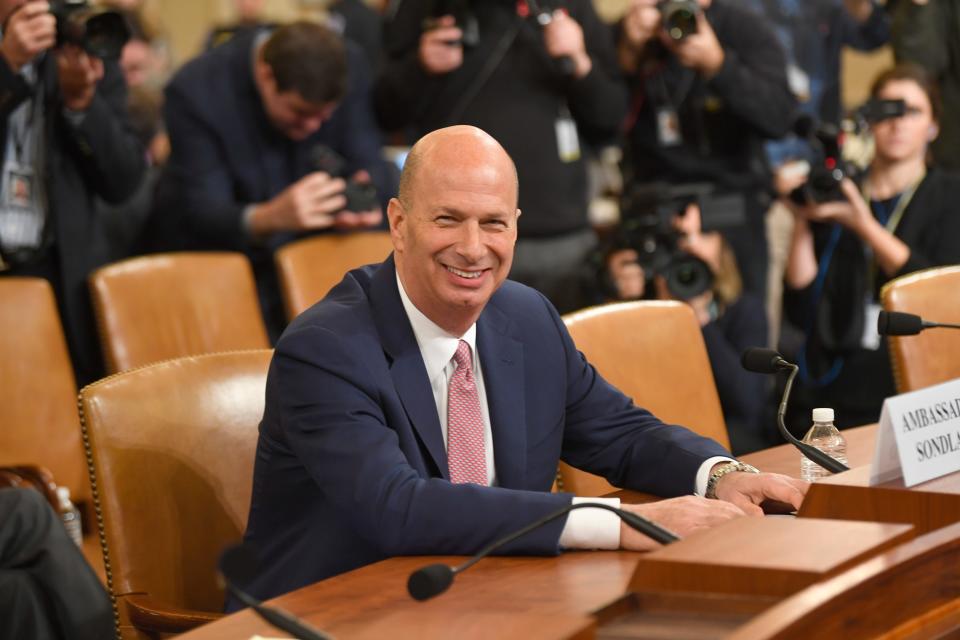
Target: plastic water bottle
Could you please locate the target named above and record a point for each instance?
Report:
(824, 436)
(70, 515)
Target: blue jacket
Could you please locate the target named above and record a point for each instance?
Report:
(351, 466)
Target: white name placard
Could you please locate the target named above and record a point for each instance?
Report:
(919, 435)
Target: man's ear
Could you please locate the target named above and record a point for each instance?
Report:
(397, 217)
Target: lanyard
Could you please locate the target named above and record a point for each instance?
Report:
(891, 225)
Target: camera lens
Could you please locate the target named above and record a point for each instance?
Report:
(688, 277)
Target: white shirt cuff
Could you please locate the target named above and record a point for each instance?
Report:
(592, 528)
(703, 474)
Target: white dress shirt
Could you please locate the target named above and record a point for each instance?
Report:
(584, 528)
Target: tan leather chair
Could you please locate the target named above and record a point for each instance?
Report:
(171, 305)
(39, 424)
(172, 447)
(309, 268)
(933, 356)
(654, 352)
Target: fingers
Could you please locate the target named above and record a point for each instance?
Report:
(682, 516)
(755, 489)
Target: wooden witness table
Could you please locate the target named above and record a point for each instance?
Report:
(736, 575)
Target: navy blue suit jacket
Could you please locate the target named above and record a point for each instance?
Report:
(351, 466)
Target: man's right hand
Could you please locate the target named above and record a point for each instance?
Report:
(30, 30)
(682, 516)
(437, 53)
(309, 203)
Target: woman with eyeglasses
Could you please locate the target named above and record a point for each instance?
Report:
(904, 215)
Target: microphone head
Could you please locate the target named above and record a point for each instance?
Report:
(896, 323)
(761, 360)
(429, 581)
(239, 565)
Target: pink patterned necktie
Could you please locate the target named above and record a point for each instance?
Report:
(466, 457)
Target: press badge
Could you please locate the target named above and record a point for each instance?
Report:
(20, 185)
(870, 339)
(668, 127)
(568, 143)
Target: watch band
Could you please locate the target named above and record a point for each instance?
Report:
(722, 470)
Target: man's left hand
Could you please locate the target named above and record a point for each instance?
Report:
(563, 38)
(700, 50)
(750, 490)
(352, 220)
(79, 74)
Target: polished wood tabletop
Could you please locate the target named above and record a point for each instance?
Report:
(551, 597)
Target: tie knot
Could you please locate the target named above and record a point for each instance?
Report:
(462, 356)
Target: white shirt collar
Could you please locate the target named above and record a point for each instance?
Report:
(436, 345)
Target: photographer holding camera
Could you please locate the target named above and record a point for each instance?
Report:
(850, 240)
(272, 137)
(541, 78)
(66, 138)
(679, 261)
(709, 86)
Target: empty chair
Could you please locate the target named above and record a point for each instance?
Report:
(933, 356)
(309, 268)
(654, 352)
(172, 449)
(170, 305)
(39, 424)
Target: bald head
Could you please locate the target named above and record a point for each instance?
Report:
(452, 147)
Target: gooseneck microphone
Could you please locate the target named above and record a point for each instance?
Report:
(761, 360)
(239, 565)
(434, 579)
(898, 323)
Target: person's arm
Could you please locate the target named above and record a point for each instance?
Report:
(801, 266)
(108, 153)
(865, 25)
(598, 99)
(922, 34)
(752, 77)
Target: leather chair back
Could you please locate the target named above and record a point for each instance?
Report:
(39, 424)
(654, 352)
(163, 306)
(933, 356)
(172, 449)
(309, 268)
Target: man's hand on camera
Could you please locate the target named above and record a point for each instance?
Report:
(852, 213)
(309, 203)
(350, 220)
(30, 30)
(563, 38)
(79, 74)
(441, 50)
(626, 274)
(700, 50)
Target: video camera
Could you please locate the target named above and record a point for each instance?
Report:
(361, 196)
(679, 17)
(829, 168)
(647, 213)
(99, 32)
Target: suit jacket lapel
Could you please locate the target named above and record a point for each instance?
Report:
(501, 356)
(406, 364)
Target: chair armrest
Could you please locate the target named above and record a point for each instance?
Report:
(149, 614)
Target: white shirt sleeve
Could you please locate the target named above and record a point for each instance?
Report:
(703, 474)
(592, 528)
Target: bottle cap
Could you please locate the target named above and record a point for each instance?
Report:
(823, 415)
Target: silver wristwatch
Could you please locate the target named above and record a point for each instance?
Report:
(722, 470)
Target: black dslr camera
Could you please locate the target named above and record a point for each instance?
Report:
(361, 196)
(828, 168)
(647, 213)
(679, 17)
(99, 32)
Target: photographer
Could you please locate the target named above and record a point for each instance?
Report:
(63, 105)
(271, 137)
(702, 271)
(900, 219)
(541, 78)
(709, 85)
